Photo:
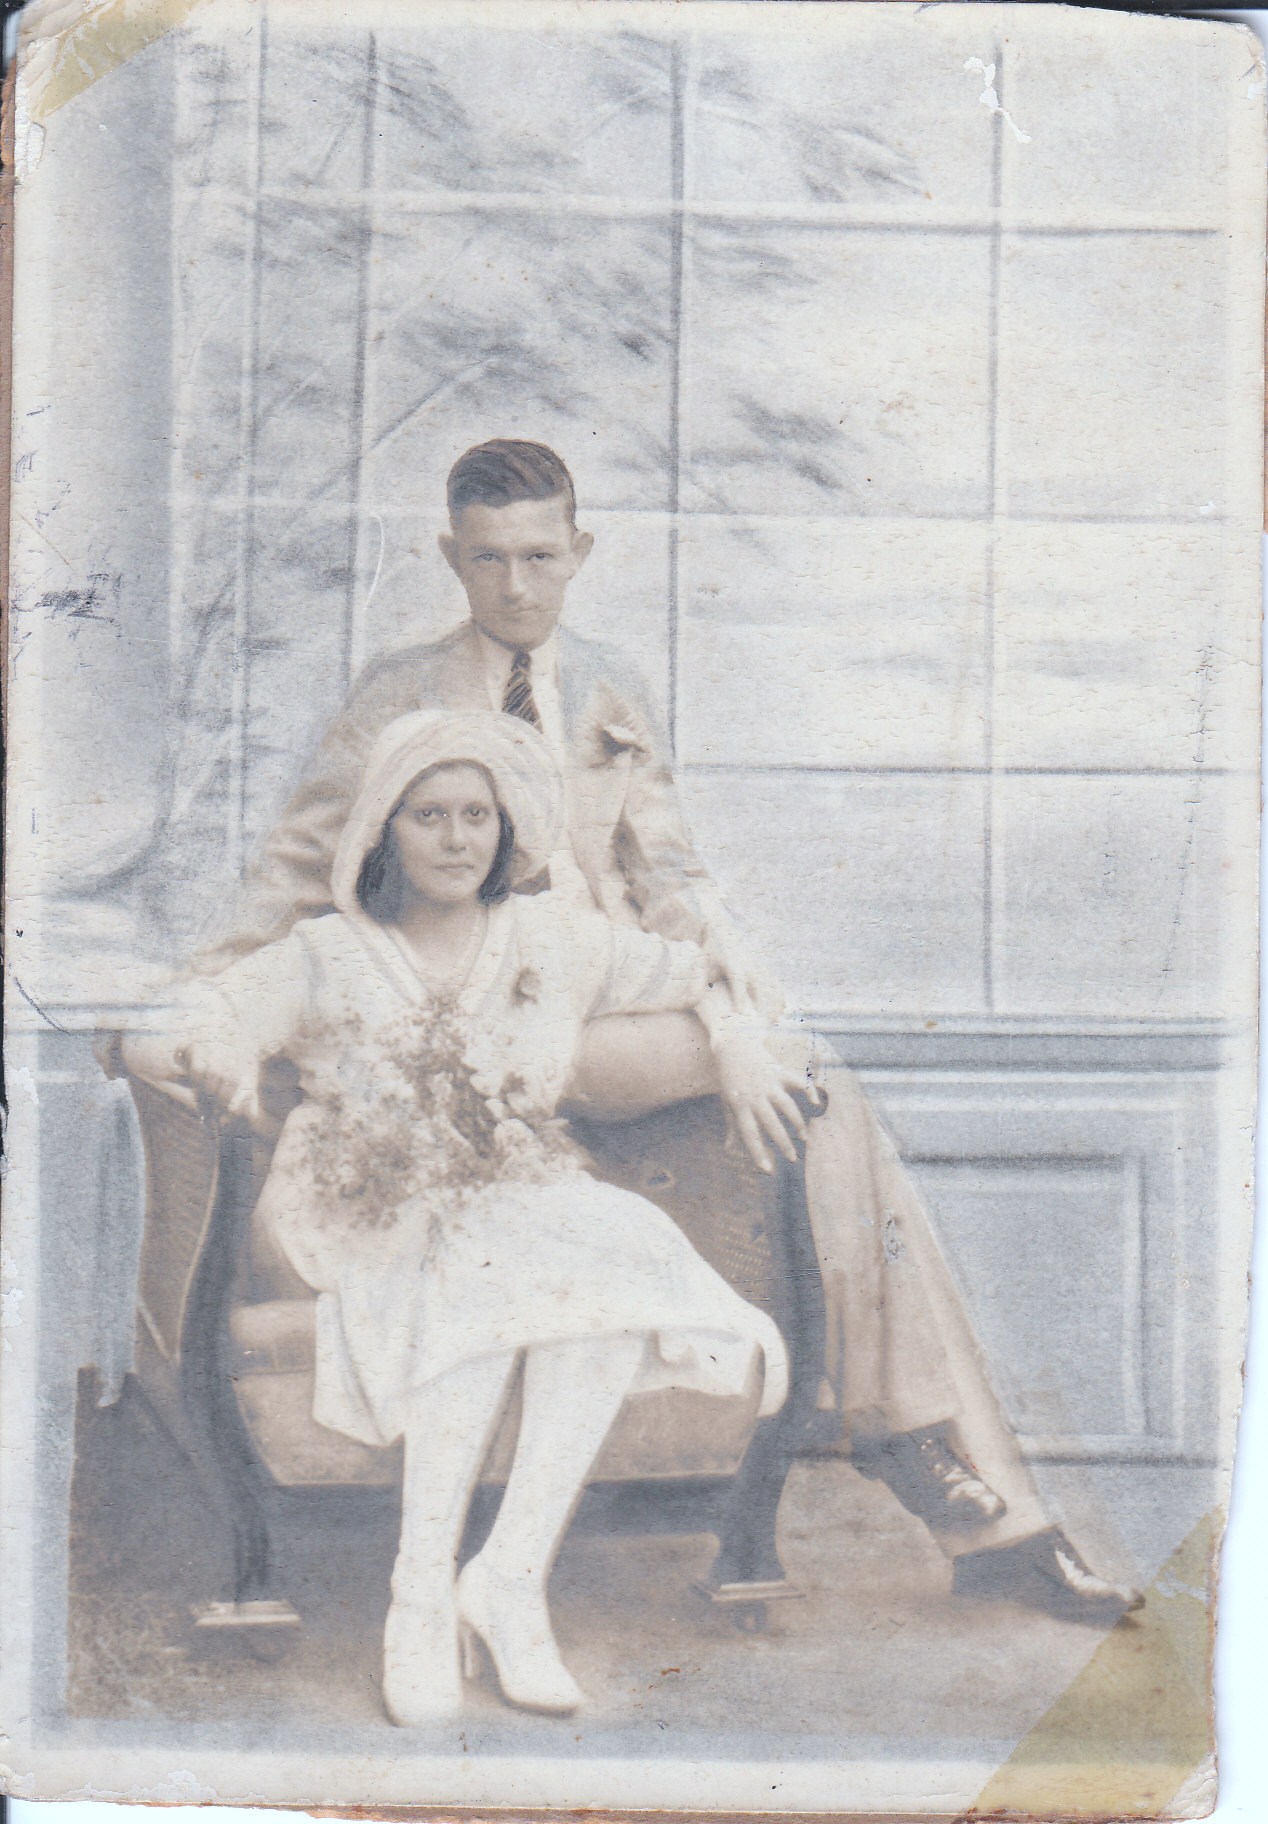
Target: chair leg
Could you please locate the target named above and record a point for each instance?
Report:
(227, 1460)
(748, 1549)
(748, 1567)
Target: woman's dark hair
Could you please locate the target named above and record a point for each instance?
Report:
(381, 881)
(496, 885)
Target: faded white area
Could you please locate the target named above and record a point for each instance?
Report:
(12, 1298)
(28, 134)
(989, 97)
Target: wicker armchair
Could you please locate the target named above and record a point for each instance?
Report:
(225, 1352)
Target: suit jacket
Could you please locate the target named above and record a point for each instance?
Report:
(625, 825)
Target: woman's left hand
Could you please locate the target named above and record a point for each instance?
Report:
(758, 1093)
(753, 991)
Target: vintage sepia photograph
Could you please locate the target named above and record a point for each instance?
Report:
(632, 702)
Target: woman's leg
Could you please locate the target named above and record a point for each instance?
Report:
(447, 1436)
(572, 1394)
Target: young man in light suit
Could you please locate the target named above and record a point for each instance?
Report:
(905, 1388)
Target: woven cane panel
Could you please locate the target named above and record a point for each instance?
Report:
(679, 1159)
(182, 1166)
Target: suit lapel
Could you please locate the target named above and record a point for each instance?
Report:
(575, 689)
(458, 681)
(596, 777)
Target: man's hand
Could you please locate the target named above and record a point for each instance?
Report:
(758, 1094)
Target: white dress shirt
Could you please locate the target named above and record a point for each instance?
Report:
(566, 877)
(544, 676)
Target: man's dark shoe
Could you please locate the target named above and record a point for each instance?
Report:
(930, 1478)
(1044, 1572)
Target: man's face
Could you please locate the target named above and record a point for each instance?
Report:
(515, 563)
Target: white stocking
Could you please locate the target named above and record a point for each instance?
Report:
(447, 1436)
(572, 1394)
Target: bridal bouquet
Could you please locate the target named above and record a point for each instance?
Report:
(419, 1118)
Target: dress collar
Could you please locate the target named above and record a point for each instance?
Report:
(396, 964)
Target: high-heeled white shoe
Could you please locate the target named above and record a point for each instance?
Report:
(422, 1678)
(509, 1615)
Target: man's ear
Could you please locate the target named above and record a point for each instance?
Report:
(582, 546)
(449, 551)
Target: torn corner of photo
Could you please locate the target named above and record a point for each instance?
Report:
(64, 46)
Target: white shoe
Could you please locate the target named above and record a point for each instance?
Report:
(509, 1614)
(422, 1682)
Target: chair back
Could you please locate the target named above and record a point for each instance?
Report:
(181, 1138)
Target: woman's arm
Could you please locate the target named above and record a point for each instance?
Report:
(759, 1091)
(649, 974)
(227, 1027)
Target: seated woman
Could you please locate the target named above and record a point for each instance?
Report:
(427, 1192)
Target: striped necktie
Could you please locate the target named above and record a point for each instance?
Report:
(517, 698)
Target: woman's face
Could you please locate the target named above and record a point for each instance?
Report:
(446, 832)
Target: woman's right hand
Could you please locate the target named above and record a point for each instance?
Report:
(155, 1057)
(220, 1068)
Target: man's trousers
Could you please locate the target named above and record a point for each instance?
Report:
(901, 1354)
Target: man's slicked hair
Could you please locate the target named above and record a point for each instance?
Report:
(504, 470)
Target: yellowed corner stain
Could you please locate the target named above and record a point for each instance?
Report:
(1133, 1735)
(67, 45)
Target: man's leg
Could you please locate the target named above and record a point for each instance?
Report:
(922, 1358)
(900, 1355)
(906, 1374)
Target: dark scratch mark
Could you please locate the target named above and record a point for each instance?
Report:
(44, 1015)
(82, 604)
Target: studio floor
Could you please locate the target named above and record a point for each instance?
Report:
(876, 1658)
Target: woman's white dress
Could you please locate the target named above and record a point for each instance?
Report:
(424, 1187)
